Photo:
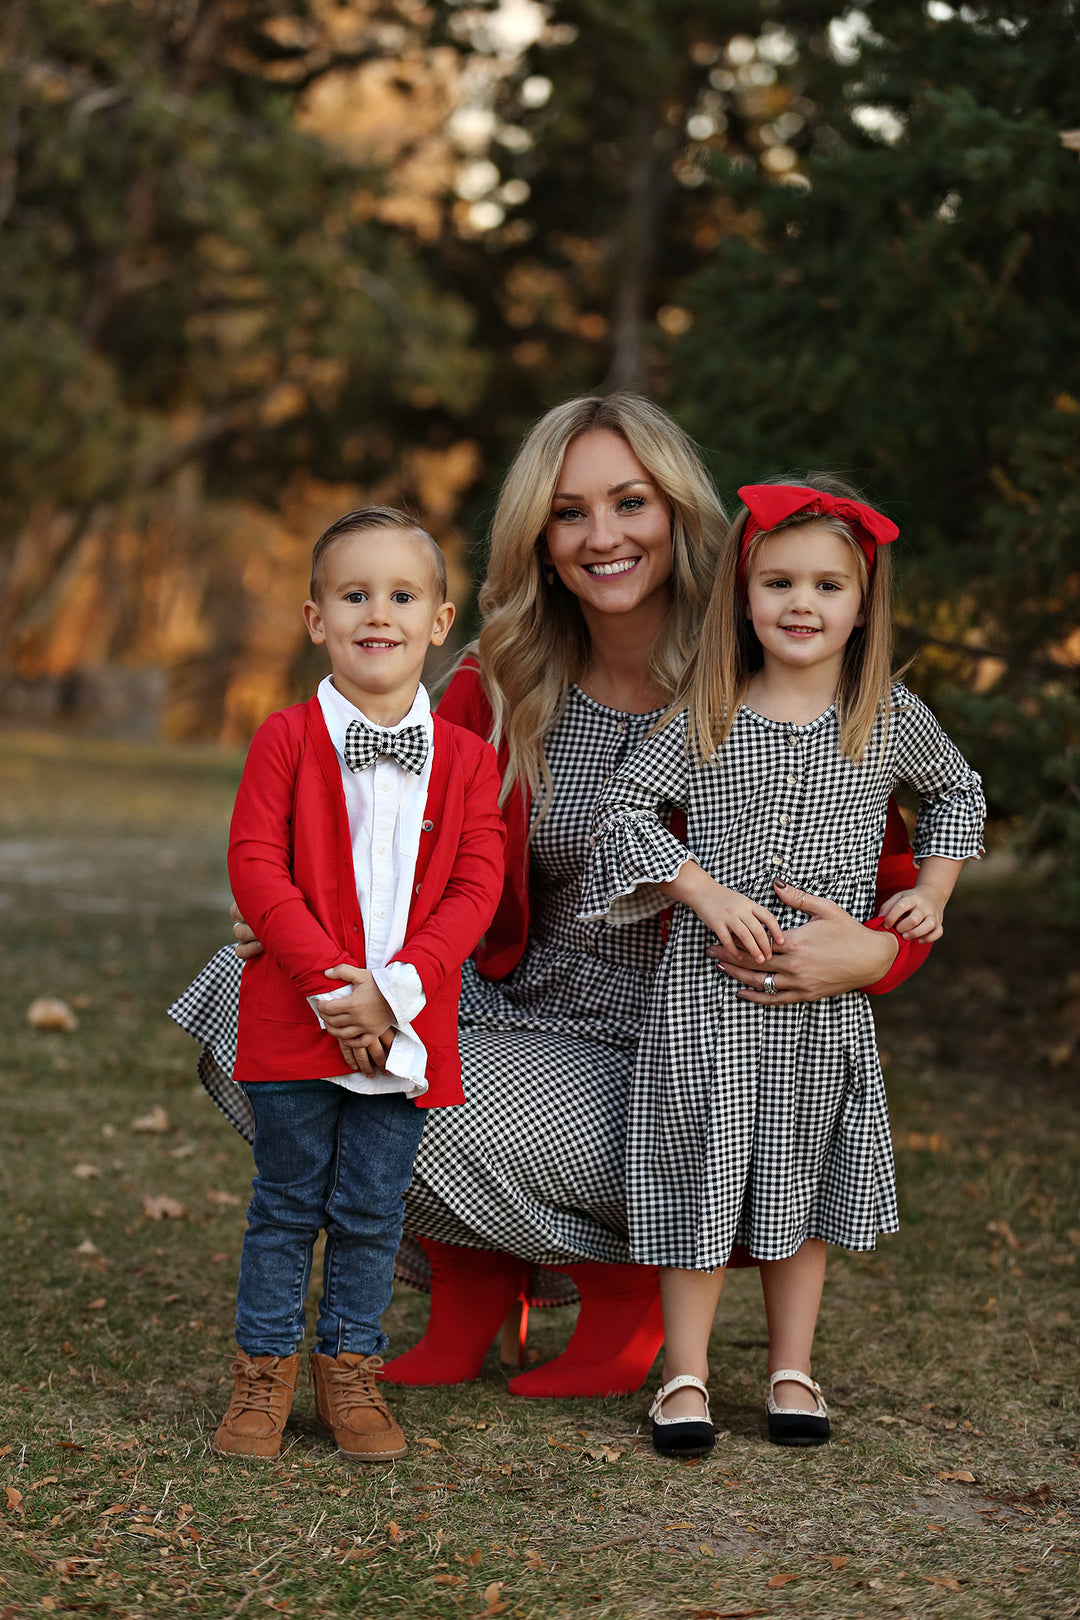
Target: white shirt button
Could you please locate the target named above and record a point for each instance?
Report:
(784, 819)
(777, 860)
(380, 911)
(384, 787)
(793, 741)
(380, 849)
(792, 781)
(620, 727)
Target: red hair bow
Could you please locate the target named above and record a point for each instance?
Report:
(770, 504)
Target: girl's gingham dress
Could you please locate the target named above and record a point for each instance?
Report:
(764, 1125)
(535, 1161)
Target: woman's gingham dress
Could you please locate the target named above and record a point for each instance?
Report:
(764, 1125)
(535, 1162)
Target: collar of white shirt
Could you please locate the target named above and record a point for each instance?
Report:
(338, 712)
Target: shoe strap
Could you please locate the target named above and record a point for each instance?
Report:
(680, 1381)
(791, 1375)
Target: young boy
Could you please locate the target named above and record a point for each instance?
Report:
(365, 849)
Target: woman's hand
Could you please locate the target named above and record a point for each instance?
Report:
(247, 945)
(830, 954)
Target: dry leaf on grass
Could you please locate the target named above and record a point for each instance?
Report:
(164, 1208)
(216, 1197)
(77, 1566)
(781, 1580)
(948, 1581)
(14, 1500)
(956, 1475)
(1004, 1231)
(49, 1012)
(85, 1171)
(154, 1123)
(86, 1247)
(838, 1560)
(491, 1598)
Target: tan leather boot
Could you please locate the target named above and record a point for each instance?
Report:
(261, 1403)
(350, 1404)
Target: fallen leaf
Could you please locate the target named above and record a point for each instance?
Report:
(428, 1440)
(948, 1581)
(679, 1524)
(780, 1580)
(164, 1208)
(393, 1530)
(838, 1560)
(85, 1172)
(215, 1197)
(706, 1551)
(601, 1453)
(77, 1566)
(14, 1501)
(1004, 1231)
(49, 1012)
(449, 1580)
(97, 1304)
(551, 1440)
(952, 1476)
(475, 1557)
(186, 1150)
(49, 1479)
(155, 1123)
(984, 1310)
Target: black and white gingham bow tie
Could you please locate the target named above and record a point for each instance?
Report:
(365, 744)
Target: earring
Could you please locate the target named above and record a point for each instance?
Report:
(549, 573)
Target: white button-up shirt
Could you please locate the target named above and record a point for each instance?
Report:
(385, 805)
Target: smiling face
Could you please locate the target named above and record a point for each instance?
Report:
(379, 610)
(805, 597)
(609, 534)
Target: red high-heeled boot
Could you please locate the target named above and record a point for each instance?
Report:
(618, 1333)
(471, 1292)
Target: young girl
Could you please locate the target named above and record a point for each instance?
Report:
(766, 1125)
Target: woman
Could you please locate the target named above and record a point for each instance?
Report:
(602, 553)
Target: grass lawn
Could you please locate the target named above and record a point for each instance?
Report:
(949, 1358)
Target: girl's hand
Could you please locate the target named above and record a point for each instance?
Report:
(361, 1015)
(915, 914)
(827, 956)
(739, 923)
(368, 1055)
(247, 945)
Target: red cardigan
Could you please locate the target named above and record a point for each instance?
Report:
(291, 870)
(465, 703)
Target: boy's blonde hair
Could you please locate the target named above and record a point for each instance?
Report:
(375, 517)
(730, 654)
(533, 643)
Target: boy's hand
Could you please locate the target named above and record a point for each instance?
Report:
(368, 1055)
(739, 923)
(915, 914)
(361, 1015)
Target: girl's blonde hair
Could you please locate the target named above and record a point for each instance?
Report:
(729, 652)
(533, 643)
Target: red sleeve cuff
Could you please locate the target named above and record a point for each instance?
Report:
(909, 958)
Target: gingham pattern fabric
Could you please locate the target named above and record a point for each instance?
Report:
(535, 1161)
(764, 1125)
(365, 744)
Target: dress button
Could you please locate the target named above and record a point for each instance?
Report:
(620, 727)
(784, 819)
(384, 787)
(793, 741)
(380, 911)
(417, 889)
(792, 781)
(777, 860)
(427, 825)
(380, 849)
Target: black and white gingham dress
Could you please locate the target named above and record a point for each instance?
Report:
(752, 1124)
(535, 1162)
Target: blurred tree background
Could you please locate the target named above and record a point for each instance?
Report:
(264, 259)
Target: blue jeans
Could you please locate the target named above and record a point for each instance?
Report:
(324, 1157)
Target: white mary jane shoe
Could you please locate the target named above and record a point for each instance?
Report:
(787, 1425)
(681, 1437)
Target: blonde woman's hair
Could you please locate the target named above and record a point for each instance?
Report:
(729, 652)
(533, 644)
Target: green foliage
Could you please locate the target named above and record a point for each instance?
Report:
(911, 316)
(183, 268)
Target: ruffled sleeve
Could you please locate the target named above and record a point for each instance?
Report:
(952, 808)
(632, 853)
